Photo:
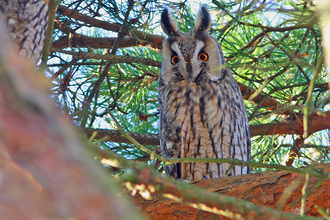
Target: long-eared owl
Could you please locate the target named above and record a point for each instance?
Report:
(202, 113)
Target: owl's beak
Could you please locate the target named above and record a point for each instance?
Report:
(189, 70)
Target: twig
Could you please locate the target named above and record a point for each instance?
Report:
(288, 191)
(259, 90)
(304, 195)
(317, 184)
(122, 33)
(323, 212)
(309, 95)
(126, 135)
(52, 7)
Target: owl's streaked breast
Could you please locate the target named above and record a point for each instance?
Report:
(201, 121)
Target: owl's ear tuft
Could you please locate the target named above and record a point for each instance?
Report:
(203, 20)
(168, 23)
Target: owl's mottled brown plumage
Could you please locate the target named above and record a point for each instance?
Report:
(27, 25)
(202, 110)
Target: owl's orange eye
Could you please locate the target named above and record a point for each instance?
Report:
(203, 57)
(175, 59)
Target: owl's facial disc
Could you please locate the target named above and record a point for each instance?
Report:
(189, 58)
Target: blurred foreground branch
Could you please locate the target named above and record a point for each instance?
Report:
(46, 172)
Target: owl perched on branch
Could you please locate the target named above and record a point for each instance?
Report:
(202, 110)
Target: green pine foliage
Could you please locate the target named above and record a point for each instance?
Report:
(267, 44)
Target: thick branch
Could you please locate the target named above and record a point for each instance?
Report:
(110, 57)
(145, 180)
(316, 123)
(82, 41)
(273, 189)
(153, 39)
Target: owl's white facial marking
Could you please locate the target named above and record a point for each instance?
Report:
(176, 55)
(199, 47)
(197, 63)
(176, 49)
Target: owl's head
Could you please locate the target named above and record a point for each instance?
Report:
(195, 56)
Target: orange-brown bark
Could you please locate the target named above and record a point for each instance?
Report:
(316, 123)
(263, 189)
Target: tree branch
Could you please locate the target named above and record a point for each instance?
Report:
(153, 39)
(317, 122)
(116, 136)
(144, 180)
(263, 189)
(82, 41)
(110, 57)
(52, 7)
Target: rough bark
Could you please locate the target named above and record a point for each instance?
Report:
(265, 189)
